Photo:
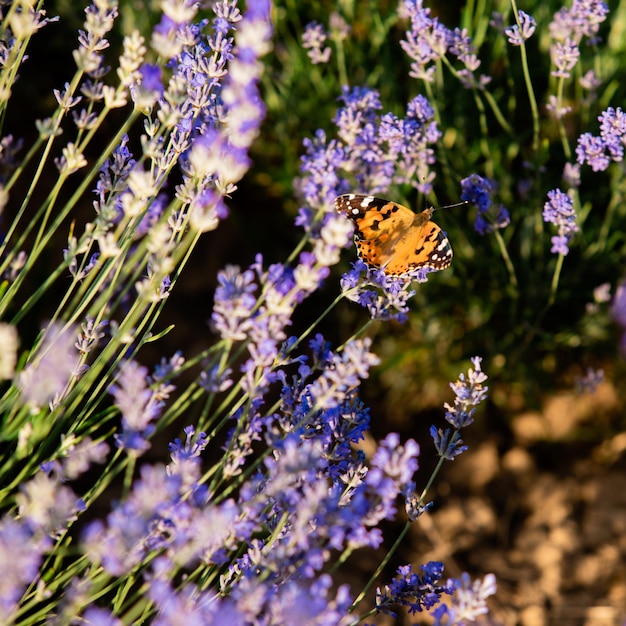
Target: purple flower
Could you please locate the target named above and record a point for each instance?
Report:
(343, 374)
(590, 381)
(571, 174)
(313, 38)
(448, 444)
(591, 150)
(565, 55)
(47, 505)
(598, 152)
(99, 617)
(82, 455)
(478, 191)
(139, 405)
(559, 210)
(613, 131)
(21, 552)
(426, 40)
(419, 592)
(618, 306)
(583, 19)
(143, 522)
(385, 297)
(234, 301)
(51, 367)
(469, 392)
(517, 35)
(320, 166)
(468, 600)
(150, 86)
(373, 151)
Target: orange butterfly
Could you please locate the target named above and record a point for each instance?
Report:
(391, 237)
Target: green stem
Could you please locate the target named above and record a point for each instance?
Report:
(380, 567)
(529, 85)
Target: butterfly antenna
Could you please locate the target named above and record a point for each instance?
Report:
(451, 206)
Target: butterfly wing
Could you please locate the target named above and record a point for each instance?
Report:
(425, 246)
(390, 236)
(379, 223)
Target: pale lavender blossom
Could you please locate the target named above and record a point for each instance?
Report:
(591, 150)
(582, 19)
(590, 381)
(81, 456)
(426, 39)
(385, 297)
(559, 210)
(343, 374)
(517, 35)
(234, 302)
(135, 526)
(8, 350)
(469, 601)
(618, 312)
(590, 81)
(571, 174)
(565, 55)
(47, 505)
(469, 392)
(21, 553)
(139, 405)
(419, 592)
(598, 152)
(392, 468)
(567, 29)
(313, 40)
(557, 108)
(51, 367)
(94, 616)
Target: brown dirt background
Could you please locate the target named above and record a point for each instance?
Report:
(539, 499)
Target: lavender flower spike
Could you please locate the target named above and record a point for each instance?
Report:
(559, 210)
(517, 35)
(469, 392)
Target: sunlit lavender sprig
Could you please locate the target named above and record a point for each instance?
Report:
(419, 592)
(426, 40)
(599, 151)
(518, 34)
(559, 210)
(567, 29)
(385, 297)
(313, 40)
(470, 392)
(469, 601)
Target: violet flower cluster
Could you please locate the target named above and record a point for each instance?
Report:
(559, 210)
(520, 33)
(371, 153)
(428, 40)
(599, 151)
(568, 28)
(478, 191)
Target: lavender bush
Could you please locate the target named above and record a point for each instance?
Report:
(266, 493)
(526, 124)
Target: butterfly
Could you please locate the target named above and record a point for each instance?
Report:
(391, 237)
